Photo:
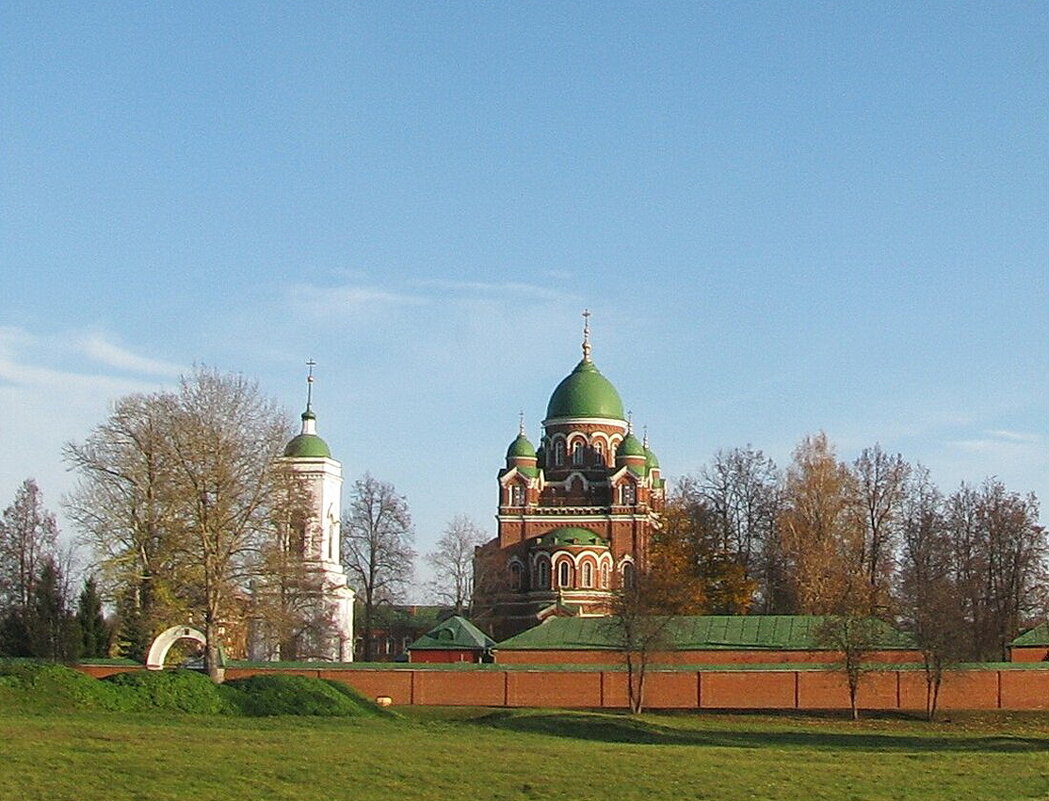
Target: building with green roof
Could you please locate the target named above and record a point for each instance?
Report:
(1032, 645)
(453, 640)
(575, 512)
(700, 639)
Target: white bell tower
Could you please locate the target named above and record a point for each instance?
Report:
(308, 457)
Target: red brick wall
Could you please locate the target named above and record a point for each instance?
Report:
(452, 655)
(681, 689)
(1033, 654)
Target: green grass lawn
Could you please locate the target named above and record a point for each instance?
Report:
(531, 754)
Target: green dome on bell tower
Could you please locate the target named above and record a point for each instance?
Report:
(308, 445)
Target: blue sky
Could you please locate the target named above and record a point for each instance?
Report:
(785, 217)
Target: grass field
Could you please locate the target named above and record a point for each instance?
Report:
(530, 754)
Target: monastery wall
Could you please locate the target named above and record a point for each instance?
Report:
(1004, 688)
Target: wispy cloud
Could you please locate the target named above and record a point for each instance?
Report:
(29, 360)
(508, 289)
(353, 300)
(1000, 444)
(104, 352)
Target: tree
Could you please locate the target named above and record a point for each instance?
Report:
(928, 596)
(453, 563)
(741, 487)
(28, 538)
(880, 481)
(51, 629)
(291, 616)
(822, 534)
(176, 495)
(687, 555)
(667, 584)
(127, 510)
(854, 637)
(377, 548)
(91, 623)
(999, 553)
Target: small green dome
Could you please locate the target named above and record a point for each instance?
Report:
(630, 446)
(521, 448)
(307, 446)
(585, 393)
(651, 462)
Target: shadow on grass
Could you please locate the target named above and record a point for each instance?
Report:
(608, 728)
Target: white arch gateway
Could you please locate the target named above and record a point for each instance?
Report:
(158, 651)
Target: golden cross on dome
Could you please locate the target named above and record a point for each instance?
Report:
(586, 335)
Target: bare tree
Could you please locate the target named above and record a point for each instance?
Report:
(928, 596)
(225, 438)
(453, 563)
(28, 539)
(999, 554)
(880, 481)
(377, 548)
(741, 488)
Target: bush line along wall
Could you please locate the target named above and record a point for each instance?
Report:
(882, 689)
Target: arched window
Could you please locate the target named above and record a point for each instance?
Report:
(588, 574)
(515, 575)
(564, 574)
(517, 495)
(559, 452)
(604, 577)
(599, 453)
(542, 574)
(628, 575)
(578, 453)
(627, 494)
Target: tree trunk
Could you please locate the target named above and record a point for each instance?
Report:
(212, 658)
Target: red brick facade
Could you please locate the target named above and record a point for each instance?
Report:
(575, 516)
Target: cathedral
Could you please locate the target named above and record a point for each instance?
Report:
(575, 514)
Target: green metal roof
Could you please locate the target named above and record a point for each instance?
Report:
(651, 462)
(455, 632)
(520, 448)
(1039, 635)
(308, 446)
(571, 535)
(585, 393)
(697, 633)
(630, 446)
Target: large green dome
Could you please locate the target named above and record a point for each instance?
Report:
(585, 393)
